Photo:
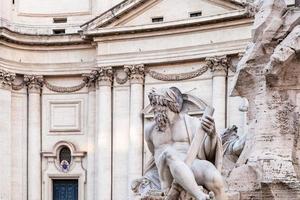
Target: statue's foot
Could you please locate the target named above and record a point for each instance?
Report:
(203, 197)
(211, 195)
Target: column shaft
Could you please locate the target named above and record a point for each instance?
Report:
(34, 84)
(19, 144)
(91, 145)
(219, 67)
(6, 80)
(5, 143)
(104, 136)
(219, 102)
(136, 133)
(90, 80)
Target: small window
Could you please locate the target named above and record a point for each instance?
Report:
(196, 14)
(13, 1)
(157, 19)
(59, 20)
(59, 31)
(65, 154)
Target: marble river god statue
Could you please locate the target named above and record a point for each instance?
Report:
(187, 152)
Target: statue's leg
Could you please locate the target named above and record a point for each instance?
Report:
(183, 175)
(207, 175)
(165, 175)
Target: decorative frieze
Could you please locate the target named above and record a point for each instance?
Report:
(34, 83)
(105, 76)
(136, 73)
(6, 79)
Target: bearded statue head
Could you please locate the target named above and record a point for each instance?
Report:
(163, 101)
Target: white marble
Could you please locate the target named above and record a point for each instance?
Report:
(135, 152)
(19, 144)
(34, 145)
(5, 141)
(90, 194)
(104, 138)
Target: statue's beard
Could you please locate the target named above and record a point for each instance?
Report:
(162, 120)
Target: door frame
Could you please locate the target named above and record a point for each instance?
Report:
(49, 185)
(52, 170)
(75, 180)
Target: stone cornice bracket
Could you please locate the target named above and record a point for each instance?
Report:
(218, 65)
(105, 76)
(34, 83)
(6, 79)
(136, 73)
(90, 79)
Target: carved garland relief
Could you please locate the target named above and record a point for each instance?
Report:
(134, 73)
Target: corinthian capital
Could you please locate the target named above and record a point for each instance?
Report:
(218, 64)
(6, 79)
(105, 76)
(34, 83)
(136, 73)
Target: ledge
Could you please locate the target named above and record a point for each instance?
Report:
(43, 40)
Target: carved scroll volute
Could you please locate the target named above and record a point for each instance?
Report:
(105, 76)
(136, 73)
(90, 79)
(34, 83)
(6, 79)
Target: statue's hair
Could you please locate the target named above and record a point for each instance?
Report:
(172, 98)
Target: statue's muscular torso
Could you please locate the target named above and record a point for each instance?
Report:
(175, 137)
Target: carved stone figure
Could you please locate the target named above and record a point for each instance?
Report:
(233, 146)
(170, 138)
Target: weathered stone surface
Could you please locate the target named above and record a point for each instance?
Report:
(284, 53)
(266, 77)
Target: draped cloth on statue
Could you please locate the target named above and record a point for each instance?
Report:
(193, 126)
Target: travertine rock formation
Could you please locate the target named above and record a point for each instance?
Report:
(267, 76)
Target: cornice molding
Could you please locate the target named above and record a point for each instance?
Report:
(214, 19)
(41, 40)
(47, 68)
(128, 6)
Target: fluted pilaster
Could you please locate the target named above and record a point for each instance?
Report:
(135, 153)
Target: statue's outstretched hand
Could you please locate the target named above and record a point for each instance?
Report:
(208, 125)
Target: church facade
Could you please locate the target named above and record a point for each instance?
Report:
(74, 79)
